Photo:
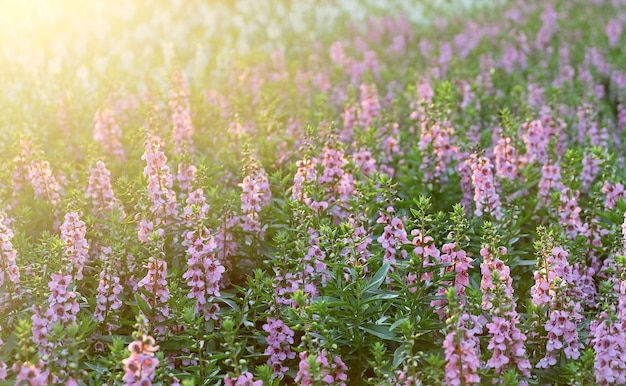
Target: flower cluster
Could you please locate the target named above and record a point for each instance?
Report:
(204, 273)
(485, 196)
(506, 342)
(327, 369)
(255, 195)
(9, 271)
(182, 130)
(108, 133)
(140, 366)
(279, 344)
(73, 231)
(550, 180)
(109, 290)
(157, 293)
(393, 237)
(62, 309)
(437, 143)
(506, 159)
(101, 192)
(44, 183)
(462, 351)
(32, 374)
(457, 263)
(163, 207)
(245, 379)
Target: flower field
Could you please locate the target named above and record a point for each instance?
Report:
(312, 193)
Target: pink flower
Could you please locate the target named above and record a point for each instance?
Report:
(9, 271)
(330, 372)
(33, 375)
(204, 273)
(73, 232)
(462, 354)
(182, 130)
(279, 344)
(155, 283)
(44, 184)
(246, 379)
(101, 192)
(140, 366)
(485, 195)
(256, 195)
(108, 133)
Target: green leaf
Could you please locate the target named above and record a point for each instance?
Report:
(379, 331)
(378, 278)
(398, 357)
(143, 305)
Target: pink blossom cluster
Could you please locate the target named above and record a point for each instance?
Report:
(186, 177)
(458, 263)
(591, 168)
(554, 272)
(290, 283)
(101, 192)
(140, 366)
(224, 238)
(338, 183)
(507, 160)
(424, 249)
(364, 161)
(613, 192)
(108, 133)
(73, 231)
(555, 287)
(331, 370)
(357, 243)
(614, 30)
(204, 273)
(31, 374)
(62, 308)
(437, 144)
(569, 213)
(562, 329)
(370, 106)
(21, 172)
(550, 180)
(158, 293)
(255, 195)
(548, 29)
(393, 237)
(245, 379)
(44, 183)
(462, 352)
(313, 260)
(537, 138)
(180, 107)
(306, 174)
(350, 120)
(311, 271)
(486, 198)
(279, 342)
(196, 209)
(163, 198)
(609, 343)
(506, 342)
(109, 289)
(388, 137)
(9, 271)
(338, 186)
